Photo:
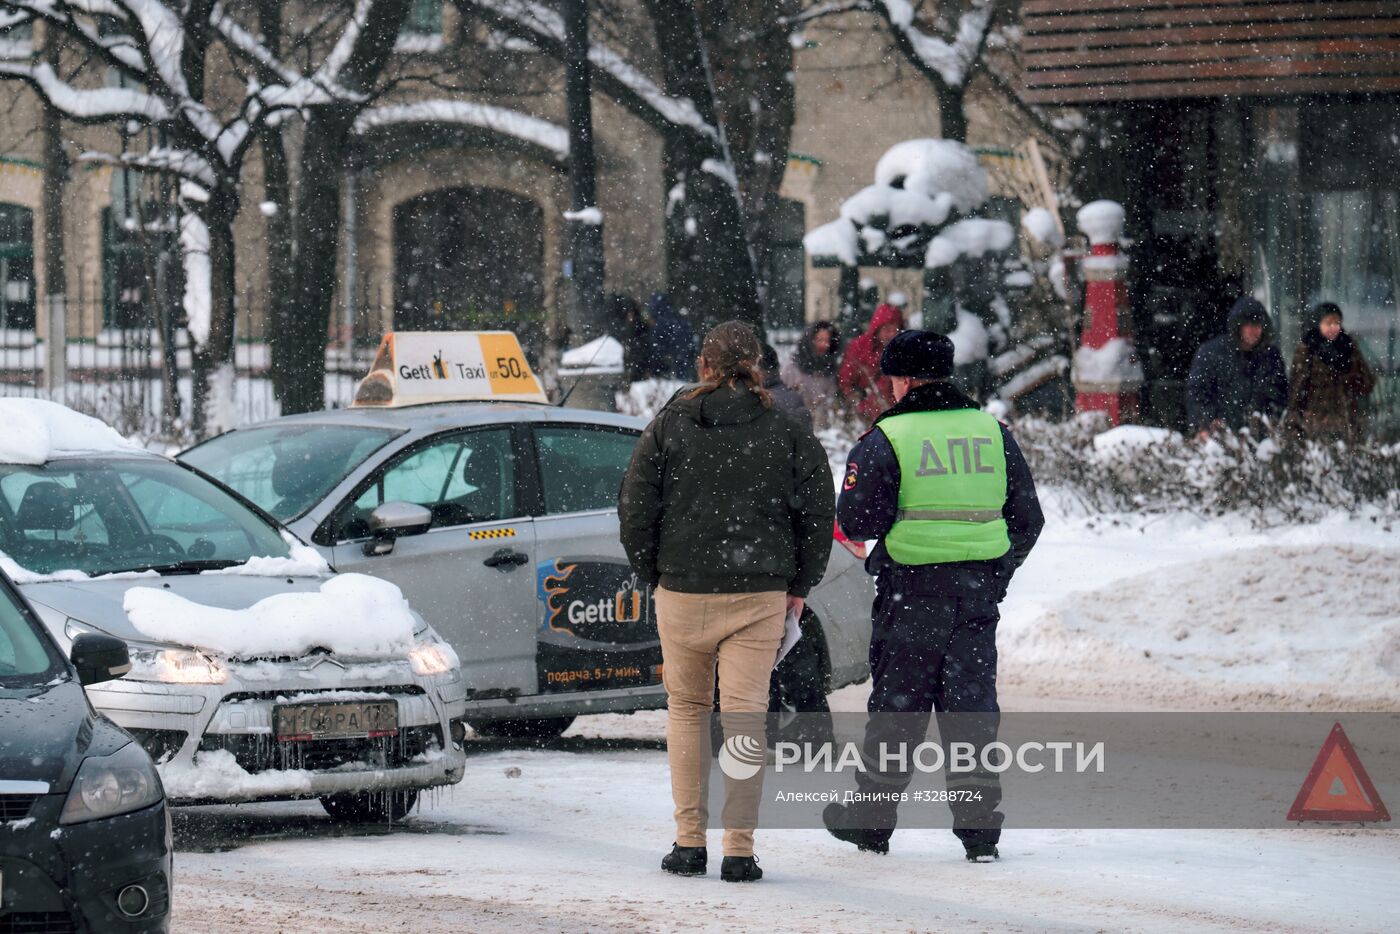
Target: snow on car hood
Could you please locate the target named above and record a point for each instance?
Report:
(242, 617)
(350, 614)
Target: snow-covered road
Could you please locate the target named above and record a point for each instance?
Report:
(1173, 616)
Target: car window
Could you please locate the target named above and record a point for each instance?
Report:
(461, 478)
(25, 655)
(102, 516)
(581, 468)
(287, 469)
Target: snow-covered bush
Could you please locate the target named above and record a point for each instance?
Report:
(1268, 478)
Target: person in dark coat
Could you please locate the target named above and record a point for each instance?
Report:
(786, 400)
(726, 509)
(947, 492)
(673, 339)
(635, 328)
(1330, 378)
(1237, 377)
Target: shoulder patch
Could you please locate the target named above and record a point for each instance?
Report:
(852, 470)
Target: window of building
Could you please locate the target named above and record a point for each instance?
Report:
(16, 268)
(422, 30)
(140, 267)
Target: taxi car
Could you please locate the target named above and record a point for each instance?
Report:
(257, 672)
(84, 829)
(498, 520)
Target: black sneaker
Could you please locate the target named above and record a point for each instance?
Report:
(868, 841)
(740, 869)
(686, 860)
(982, 853)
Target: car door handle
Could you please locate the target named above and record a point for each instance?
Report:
(506, 560)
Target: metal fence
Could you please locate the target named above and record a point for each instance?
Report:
(135, 374)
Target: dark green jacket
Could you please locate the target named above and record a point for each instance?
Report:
(724, 495)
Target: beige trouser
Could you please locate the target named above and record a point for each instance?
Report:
(742, 631)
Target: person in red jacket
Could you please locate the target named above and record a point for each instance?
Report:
(862, 386)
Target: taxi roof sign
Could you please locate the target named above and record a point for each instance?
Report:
(416, 367)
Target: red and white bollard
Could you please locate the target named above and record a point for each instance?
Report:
(1107, 374)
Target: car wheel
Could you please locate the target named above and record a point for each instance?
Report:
(538, 729)
(370, 807)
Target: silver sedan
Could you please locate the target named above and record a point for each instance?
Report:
(499, 523)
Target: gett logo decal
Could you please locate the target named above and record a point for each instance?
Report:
(554, 587)
(577, 601)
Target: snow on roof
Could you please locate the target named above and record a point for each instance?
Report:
(603, 355)
(469, 113)
(352, 614)
(934, 166)
(37, 430)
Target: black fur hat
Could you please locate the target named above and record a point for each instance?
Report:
(918, 355)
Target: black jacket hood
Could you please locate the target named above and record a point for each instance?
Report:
(1249, 310)
(727, 405)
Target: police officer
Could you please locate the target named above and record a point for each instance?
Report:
(945, 489)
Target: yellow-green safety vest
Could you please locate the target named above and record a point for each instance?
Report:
(952, 487)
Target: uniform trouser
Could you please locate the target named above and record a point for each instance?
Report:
(932, 653)
(739, 633)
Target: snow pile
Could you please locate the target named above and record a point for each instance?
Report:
(1115, 365)
(971, 342)
(301, 561)
(1101, 221)
(591, 217)
(1127, 440)
(896, 207)
(1315, 625)
(510, 123)
(1040, 224)
(647, 397)
(933, 167)
(215, 773)
(837, 239)
(352, 614)
(37, 430)
(602, 355)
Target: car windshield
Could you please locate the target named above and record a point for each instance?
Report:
(109, 515)
(287, 469)
(26, 656)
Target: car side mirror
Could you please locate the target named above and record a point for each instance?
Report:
(99, 657)
(393, 520)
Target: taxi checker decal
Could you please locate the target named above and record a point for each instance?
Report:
(492, 533)
(603, 603)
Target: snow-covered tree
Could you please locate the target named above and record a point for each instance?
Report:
(922, 212)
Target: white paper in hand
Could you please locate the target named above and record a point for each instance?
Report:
(791, 633)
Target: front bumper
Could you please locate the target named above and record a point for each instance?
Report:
(215, 743)
(66, 878)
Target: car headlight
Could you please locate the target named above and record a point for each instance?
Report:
(177, 666)
(107, 786)
(432, 658)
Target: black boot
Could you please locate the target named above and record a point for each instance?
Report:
(740, 869)
(982, 853)
(869, 841)
(685, 860)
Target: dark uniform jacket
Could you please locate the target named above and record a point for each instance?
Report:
(870, 500)
(726, 495)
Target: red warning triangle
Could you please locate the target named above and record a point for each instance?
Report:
(1337, 787)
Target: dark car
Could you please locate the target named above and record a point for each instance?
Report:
(84, 830)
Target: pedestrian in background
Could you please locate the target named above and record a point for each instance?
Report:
(785, 399)
(812, 371)
(673, 339)
(726, 509)
(1238, 377)
(1330, 378)
(945, 489)
(862, 384)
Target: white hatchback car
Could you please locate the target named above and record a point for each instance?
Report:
(257, 672)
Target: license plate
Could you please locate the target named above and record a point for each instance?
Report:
(298, 722)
